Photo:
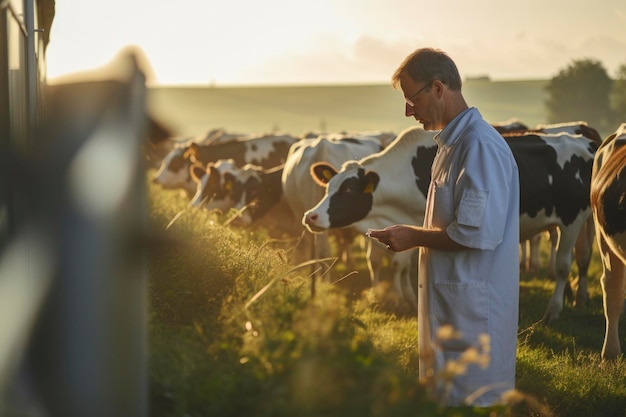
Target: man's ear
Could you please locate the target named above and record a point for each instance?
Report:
(322, 172)
(438, 86)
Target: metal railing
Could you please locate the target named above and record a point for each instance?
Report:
(73, 276)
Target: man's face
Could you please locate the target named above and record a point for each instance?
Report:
(420, 101)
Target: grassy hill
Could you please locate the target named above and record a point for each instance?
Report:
(296, 109)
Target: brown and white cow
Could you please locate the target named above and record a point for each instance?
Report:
(390, 187)
(263, 150)
(608, 202)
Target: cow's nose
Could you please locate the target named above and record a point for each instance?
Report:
(311, 218)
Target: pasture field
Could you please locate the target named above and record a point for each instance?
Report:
(234, 331)
(192, 111)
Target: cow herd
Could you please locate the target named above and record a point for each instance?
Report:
(319, 186)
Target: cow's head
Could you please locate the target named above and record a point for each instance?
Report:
(214, 185)
(174, 171)
(348, 197)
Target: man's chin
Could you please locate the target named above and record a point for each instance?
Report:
(429, 126)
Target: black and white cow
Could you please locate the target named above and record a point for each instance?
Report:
(255, 194)
(264, 150)
(573, 128)
(301, 191)
(162, 141)
(529, 256)
(214, 184)
(390, 187)
(608, 201)
(366, 200)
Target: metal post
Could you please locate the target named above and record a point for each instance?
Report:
(86, 354)
(31, 65)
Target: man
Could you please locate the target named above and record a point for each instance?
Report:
(468, 278)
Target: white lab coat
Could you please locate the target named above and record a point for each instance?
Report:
(474, 195)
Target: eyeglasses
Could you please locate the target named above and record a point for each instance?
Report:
(409, 101)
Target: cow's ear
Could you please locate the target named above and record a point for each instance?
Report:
(197, 172)
(322, 172)
(192, 152)
(214, 175)
(371, 183)
(229, 180)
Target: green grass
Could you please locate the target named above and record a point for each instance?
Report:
(235, 331)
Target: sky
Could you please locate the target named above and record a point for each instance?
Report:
(316, 42)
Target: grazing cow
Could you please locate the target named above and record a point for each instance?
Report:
(302, 193)
(254, 192)
(214, 184)
(608, 202)
(257, 193)
(361, 198)
(161, 141)
(530, 248)
(390, 187)
(251, 189)
(264, 150)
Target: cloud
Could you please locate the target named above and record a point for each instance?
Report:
(610, 51)
(332, 59)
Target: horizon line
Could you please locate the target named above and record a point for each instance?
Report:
(471, 79)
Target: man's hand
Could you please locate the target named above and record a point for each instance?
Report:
(397, 238)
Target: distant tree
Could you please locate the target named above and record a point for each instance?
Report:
(619, 96)
(582, 91)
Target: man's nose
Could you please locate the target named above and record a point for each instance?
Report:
(408, 110)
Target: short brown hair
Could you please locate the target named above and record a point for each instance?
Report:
(429, 64)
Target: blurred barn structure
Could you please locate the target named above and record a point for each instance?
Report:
(72, 271)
